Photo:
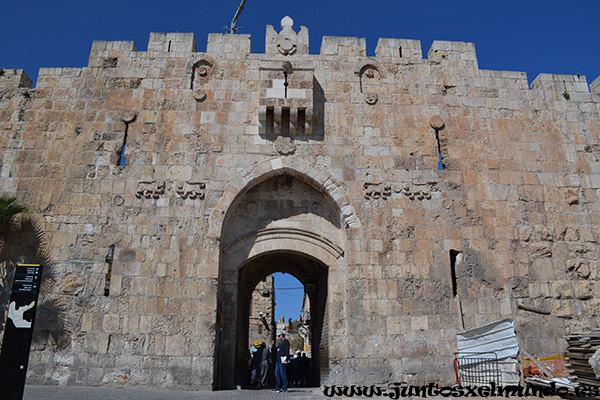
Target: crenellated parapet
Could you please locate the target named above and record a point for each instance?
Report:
(398, 49)
(172, 42)
(290, 42)
(229, 46)
(343, 46)
(595, 85)
(106, 54)
(452, 52)
(566, 87)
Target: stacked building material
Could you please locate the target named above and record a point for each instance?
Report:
(581, 347)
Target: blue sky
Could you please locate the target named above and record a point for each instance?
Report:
(535, 36)
(288, 297)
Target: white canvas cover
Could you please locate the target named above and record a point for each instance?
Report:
(495, 340)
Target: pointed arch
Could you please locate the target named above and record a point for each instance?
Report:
(265, 170)
(302, 232)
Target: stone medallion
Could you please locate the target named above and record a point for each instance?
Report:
(285, 145)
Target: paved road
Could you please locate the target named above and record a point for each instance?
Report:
(33, 392)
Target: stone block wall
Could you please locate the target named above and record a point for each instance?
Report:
(423, 252)
(262, 311)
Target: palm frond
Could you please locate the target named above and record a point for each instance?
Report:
(9, 207)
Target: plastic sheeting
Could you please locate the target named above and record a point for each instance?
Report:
(595, 363)
(495, 341)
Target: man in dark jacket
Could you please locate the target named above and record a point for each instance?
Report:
(261, 363)
(283, 355)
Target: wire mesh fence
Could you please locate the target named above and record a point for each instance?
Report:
(477, 370)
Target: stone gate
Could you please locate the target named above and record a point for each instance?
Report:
(413, 197)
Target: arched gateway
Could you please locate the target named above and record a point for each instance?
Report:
(288, 217)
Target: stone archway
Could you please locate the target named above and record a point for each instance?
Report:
(282, 221)
(314, 277)
(267, 169)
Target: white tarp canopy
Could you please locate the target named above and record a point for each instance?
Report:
(496, 341)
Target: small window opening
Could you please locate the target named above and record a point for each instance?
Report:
(285, 121)
(122, 161)
(109, 262)
(301, 120)
(270, 128)
(439, 145)
(453, 257)
(400, 51)
(169, 48)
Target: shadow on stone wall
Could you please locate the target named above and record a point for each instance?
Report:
(24, 242)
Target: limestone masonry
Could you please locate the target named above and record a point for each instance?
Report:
(169, 183)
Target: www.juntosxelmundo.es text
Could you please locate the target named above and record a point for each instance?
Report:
(398, 390)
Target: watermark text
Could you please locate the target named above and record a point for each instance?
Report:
(398, 390)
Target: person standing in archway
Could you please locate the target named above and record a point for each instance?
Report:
(283, 355)
(261, 362)
(272, 362)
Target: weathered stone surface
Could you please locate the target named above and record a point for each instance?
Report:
(284, 145)
(324, 166)
(71, 284)
(541, 250)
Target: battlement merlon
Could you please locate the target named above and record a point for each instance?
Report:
(567, 87)
(14, 78)
(398, 48)
(343, 46)
(105, 54)
(120, 45)
(595, 85)
(228, 45)
(452, 52)
(172, 42)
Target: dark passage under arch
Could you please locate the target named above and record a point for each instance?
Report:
(313, 275)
